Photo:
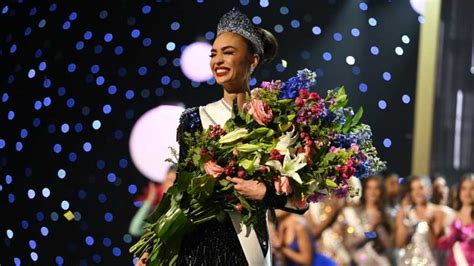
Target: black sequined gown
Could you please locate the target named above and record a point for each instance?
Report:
(216, 243)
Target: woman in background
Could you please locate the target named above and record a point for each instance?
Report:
(460, 240)
(413, 223)
(367, 227)
(293, 243)
(151, 198)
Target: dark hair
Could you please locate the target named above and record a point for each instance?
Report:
(457, 203)
(270, 47)
(381, 202)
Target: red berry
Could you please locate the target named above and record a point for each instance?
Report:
(239, 208)
(241, 174)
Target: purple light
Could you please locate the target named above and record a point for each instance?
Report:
(195, 61)
(150, 138)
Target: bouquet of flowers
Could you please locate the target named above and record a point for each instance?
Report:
(306, 146)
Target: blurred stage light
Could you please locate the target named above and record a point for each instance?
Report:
(151, 137)
(195, 61)
(419, 6)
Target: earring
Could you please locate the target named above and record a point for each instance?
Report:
(251, 70)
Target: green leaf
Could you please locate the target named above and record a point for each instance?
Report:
(247, 164)
(330, 184)
(161, 209)
(243, 201)
(357, 116)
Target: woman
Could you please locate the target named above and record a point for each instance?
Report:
(367, 228)
(413, 225)
(293, 242)
(151, 199)
(460, 240)
(238, 50)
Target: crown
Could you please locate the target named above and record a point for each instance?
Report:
(236, 22)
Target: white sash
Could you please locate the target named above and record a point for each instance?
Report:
(218, 113)
(459, 255)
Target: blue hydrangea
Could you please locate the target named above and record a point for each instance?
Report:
(304, 79)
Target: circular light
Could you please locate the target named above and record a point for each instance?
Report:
(355, 32)
(65, 205)
(399, 50)
(374, 50)
(419, 6)
(150, 139)
(405, 39)
(327, 56)
(170, 46)
(387, 143)
(256, 20)
(61, 174)
(382, 104)
(372, 22)
(194, 62)
(387, 76)
(350, 60)
(406, 99)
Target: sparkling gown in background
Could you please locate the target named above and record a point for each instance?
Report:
(418, 251)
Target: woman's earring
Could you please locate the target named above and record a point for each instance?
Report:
(251, 70)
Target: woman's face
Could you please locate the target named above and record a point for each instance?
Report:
(418, 192)
(372, 191)
(231, 62)
(466, 193)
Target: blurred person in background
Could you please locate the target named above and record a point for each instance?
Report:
(412, 224)
(293, 243)
(366, 226)
(440, 190)
(151, 198)
(392, 192)
(459, 240)
(321, 218)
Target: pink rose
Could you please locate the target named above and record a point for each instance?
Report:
(213, 169)
(282, 185)
(261, 112)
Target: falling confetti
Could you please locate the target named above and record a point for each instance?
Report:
(69, 215)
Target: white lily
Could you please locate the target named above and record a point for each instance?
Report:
(233, 136)
(286, 141)
(290, 166)
(355, 186)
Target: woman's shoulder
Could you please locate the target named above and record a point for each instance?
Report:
(190, 119)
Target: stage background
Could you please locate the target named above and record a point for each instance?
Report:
(75, 77)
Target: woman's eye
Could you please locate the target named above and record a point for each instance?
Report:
(212, 55)
(228, 52)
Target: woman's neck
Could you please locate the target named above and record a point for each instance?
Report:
(229, 97)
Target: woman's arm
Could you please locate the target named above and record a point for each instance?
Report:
(446, 242)
(401, 230)
(138, 221)
(305, 254)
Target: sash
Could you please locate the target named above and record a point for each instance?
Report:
(459, 255)
(218, 113)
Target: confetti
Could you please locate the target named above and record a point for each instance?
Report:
(370, 235)
(284, 63)
(69, 215)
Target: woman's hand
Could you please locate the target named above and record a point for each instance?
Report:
(250, 189)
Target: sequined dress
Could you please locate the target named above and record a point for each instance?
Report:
(418, 252)
(216, 243)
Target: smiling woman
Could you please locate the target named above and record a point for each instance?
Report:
(239, 49)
